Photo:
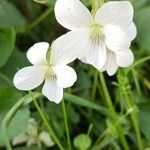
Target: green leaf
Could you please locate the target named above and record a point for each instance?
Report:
(17, 61)
(82, 141)
(144, 114)
(86, 103)
(8, 97)
(10, 16)
(142, 21)
(7, 41)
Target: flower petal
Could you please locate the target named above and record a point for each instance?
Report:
(96, 54)
(116, 39)
(68, 47)
(37, 53)
(131, 31)
(52, 91)
(115, 13)
(66, 76)
(46, 139)
(124, 58)
(110, 65)
(20, 139)
(72, 14)
(29, 78)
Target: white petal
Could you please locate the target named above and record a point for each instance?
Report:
(116, 39)
(20, 139)
(66, 76)
(46, 139)
(131, 31)
(124, 58)
(111, 65)
(37, 53)
(115, 13)
(69, 46)
(72, 14)
(52, 91)
(29, 78)
(96, 54)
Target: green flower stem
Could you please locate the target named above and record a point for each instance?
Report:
(40, 18)
(94, 84)
(137, 85)
(36, 21)
(127, 93)
(135, 121)
(138, 62)
(96, 5)
(46, 122)
(6, 79)
(114, 115)
(66, 123)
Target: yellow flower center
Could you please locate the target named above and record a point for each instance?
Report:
(96, 32)
(50, 72)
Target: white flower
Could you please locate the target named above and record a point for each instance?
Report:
(32, 136)
(50, 67)
(102, 40)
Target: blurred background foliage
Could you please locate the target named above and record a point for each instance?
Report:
(23, 23)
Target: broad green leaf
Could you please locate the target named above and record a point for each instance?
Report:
(10, 15)
(144, 114)
(8, 98)
(142, 21)
(82, 141)
(84, 83)
(17, 61)
(7, 41)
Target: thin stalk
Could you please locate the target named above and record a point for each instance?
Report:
(94, 84)
(66, 124)
(135, 121)
(6, 79)
(114, 115)
(136, 82)
(138, 62)
(46, 122)
(36, 21)
(95, 6)
(127, 93)
(40, 18)
(90, 129)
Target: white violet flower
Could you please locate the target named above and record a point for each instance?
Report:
(32, 135)
(102, 40)
(49, 66)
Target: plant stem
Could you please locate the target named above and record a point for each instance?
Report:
(114, 115)
(46, 122)
(138, 62)
(95, 6)
(127, 93)
(6, 79)
(94, 84)
(40, 18)
(66, 123)
(36, 21)
(136, 82)
(135, 121)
